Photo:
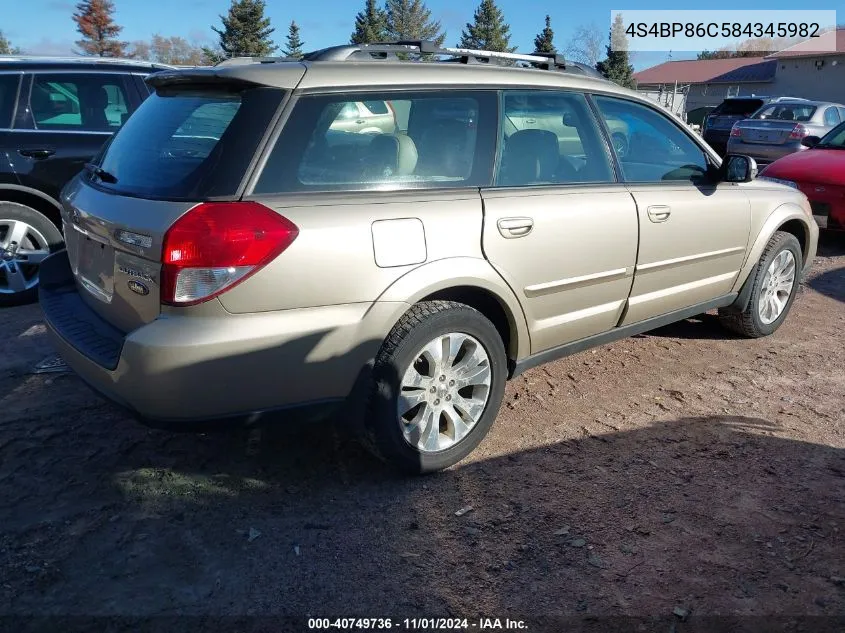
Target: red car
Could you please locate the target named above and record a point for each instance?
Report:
(819, 173)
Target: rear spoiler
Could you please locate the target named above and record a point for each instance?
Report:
(244, 76)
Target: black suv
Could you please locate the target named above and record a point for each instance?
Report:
(717, 125)
(55, 115)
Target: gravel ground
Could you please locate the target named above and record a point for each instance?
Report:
(680, 470)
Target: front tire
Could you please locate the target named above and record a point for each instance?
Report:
(775, 283)
(439, 380)
(26, 238)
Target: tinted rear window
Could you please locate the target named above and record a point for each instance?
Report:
(189, 143)
(738, 106)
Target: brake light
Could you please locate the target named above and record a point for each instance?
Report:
(798, 132)
(217, 245)
(735, 130)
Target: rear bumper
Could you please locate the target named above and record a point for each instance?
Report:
(762, 153)
(183, 370)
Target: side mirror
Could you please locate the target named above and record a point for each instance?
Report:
(738, 168)
(569, 119)
(810, 141)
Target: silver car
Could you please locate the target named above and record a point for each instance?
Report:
(778, 129)
(232, 254)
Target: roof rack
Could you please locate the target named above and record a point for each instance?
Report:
(81, 59)
(424, 48)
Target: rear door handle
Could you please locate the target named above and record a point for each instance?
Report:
(515, 227)
(659, 213)
(38, 154)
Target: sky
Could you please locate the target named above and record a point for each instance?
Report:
(45, 26)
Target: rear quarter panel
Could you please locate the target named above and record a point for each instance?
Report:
(333, 261)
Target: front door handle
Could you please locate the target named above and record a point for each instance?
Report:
(515, 227)
(659, 213)
(38, 154)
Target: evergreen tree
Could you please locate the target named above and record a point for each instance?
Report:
(488, 31)
(411, 20)
(212, 56)
(370, 25)
(95, 23)
(245, 33)
(6, 47)
(616, 66)
(294, 44)
(545, 40)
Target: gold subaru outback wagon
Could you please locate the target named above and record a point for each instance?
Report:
(240, 249)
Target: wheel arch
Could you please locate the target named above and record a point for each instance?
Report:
(471, 281)
(34, 199)
(788, 217)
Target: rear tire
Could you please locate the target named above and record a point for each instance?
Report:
(776, 279)
(18, 273)
(450, 399)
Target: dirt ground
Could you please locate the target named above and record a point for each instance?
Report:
(682, 470)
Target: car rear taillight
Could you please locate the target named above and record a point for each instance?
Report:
(798, 132)
(216, 245)
(736, 131)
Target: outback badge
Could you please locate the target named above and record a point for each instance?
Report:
(138, 288)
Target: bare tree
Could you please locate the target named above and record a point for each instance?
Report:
(586, 45)
(140, 49)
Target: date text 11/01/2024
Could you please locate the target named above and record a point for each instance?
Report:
(417, 624)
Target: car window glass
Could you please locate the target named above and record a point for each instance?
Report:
(786, 112)
(737, 106)
(831, 116)
(552, 138)
(414, 140)
(189, 143)
(8, 97)
(658, 150)
(834, 138)
(95, 102)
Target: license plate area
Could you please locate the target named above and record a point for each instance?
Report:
(757, 136)
(94, 265)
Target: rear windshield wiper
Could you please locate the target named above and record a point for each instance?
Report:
(101, 173)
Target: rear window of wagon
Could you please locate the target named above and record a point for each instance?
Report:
(189, 143)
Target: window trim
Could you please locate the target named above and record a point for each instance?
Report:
(603, 140)
(709, 153)
(367, 94)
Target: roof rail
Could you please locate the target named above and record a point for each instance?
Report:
(423, 48)
(82, 59)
